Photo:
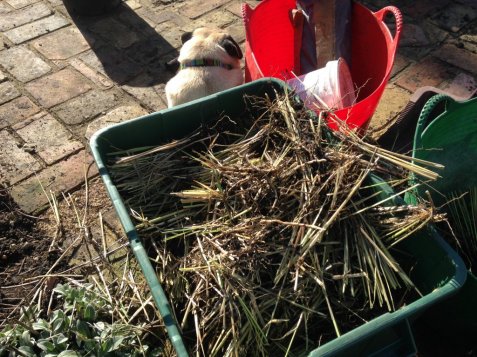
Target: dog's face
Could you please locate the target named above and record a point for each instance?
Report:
(212, 43)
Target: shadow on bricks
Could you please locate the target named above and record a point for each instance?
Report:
(124, 47)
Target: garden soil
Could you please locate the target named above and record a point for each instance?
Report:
(24, 254)
(27, 253)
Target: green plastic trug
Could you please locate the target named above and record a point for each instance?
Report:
(450, 139)
(437, 270)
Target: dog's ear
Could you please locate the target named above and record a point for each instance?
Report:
(172, 65)
(186, 36)
(231, 47)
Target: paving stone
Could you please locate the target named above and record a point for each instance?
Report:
(413, 35)
(236, 7)
(149, 96)
(470, 46)
(219, 18)
(64, 176)
(2, 76)
(115, 116)
(18, 4)
(418, 40)
(49, 138)
(36, 29)
(133, 4)
(468, 2)
(86, 106)
(172, 34)
(156, 16)
(23, 64)
(27, 121)
(23, 16)
(58, 87)
(379, 4)
(458, 57)
(462, 85)
(56, 2)
(424, 9)
(150, 52)
(470, 35)
(4, 7)
(455, 16)
(110, 62)
(155, 71)
(152, 96)
(430, 72)
(62, 44)
(392, 102)
(400, 62)
(94, 76)
(151, 44)
(115, 32)
(139, 19)
(237, 31)
(15, 163)
(8, 92)
(16, 111)
(196, 8)
(471, 3)
(61, 64)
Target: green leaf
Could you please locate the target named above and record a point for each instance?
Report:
(105, 334)
(61, 289)
(27, 351)
(89, 313)
(69, 353)
(58, 325)
(100, 325)
(90, 345)
(44, 335)
(46, 345)
(41, 325)
(61, 339)
(26, 339)
(82, 329)
(114, 343)
(58, 314)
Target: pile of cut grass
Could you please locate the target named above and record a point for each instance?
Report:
(268, 232)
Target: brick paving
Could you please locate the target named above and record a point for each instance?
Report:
(63, 78)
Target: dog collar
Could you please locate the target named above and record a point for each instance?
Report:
(205, 62)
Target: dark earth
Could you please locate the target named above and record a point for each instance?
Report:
(24, 255)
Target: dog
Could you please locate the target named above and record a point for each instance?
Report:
(209, 62)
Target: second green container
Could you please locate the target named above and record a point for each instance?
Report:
(446, 133)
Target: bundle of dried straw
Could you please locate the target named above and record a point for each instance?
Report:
(266, 231)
